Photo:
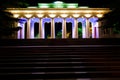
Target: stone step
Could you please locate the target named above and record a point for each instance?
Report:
(58, 59)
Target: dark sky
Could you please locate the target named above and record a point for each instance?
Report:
(91, 3)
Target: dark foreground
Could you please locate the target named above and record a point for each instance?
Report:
(85, 59)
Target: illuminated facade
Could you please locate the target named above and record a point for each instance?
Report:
(58, 20)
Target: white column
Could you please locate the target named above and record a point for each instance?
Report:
(32, 32)
(83, 29)
(28, 29)
(97, 29)
(75, 28)
(23, 30)
(52, 28)
(64, 28)
(18, 33)
(87, 28)
(40, 29)
(93, 30)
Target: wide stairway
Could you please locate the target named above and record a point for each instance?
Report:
(60, 62)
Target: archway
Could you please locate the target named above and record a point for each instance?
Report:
(80, 30)
(69, 30)
(36, 30)
(58, 30)
(47, 30)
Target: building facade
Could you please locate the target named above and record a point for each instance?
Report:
(58, 20)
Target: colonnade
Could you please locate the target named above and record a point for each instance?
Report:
(84, 21)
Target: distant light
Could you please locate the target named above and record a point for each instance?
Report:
(58, 2)
(32, 7)
(83, 7)
(43, 5)
(72, 5)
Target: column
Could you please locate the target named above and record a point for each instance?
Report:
(93, 30)
(75, 28)
(32, 32)
(87, 28)
(64, 28)
(83, 29)
(97, 29)
(23, 30)
(52, 28)
(40, 29)
(28, 28)
(18, 33)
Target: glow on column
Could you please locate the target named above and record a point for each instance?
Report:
(28, 15)
(76, 15)
(87, 15)
(16, 15)
(99, 15)
(52, 15)
(64, 15)
(40, 15)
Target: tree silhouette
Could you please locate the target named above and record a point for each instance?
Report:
(111, 19)
(6, 18)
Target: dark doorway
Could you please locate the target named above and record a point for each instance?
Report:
(36, 30)
(90, 30)
(25, 30)
(58, 30)
(69, 30)
(47, 30)
(79, 30)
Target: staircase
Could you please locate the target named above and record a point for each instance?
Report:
(60, 62)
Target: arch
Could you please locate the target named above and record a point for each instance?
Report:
(82, 22)
(23, 24)
(58, 27)
(34, 28)
(69, 27)
(94, 27)
(80, 29)
(46, 25)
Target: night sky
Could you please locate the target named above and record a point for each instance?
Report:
(90, 3)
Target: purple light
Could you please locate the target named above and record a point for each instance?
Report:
(93, 19)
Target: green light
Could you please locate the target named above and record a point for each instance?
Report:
(58, 5)
(71, 5)
(43, 5)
